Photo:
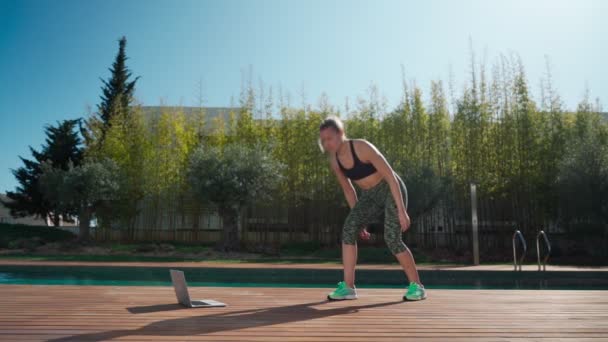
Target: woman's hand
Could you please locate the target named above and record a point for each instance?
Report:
(404, 221)
(364, 234)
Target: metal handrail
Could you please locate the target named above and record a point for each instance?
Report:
(542, 232)
(523, 254)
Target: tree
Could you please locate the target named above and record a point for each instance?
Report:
(231, 179)
(118, 89)
(583, 172)
(554, 143)
(172, 137)
(62, 146)
(116, 99)
(127, 143)
(86, 187)
(439, 129)
(118, 132)
(583, 180)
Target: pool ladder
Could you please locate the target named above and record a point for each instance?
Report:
(547, 244)
(517, 263)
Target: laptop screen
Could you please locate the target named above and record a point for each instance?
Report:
(181, 289)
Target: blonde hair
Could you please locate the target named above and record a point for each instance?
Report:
(333, 122)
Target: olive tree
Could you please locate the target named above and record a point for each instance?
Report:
(85, 187)
(231, 178)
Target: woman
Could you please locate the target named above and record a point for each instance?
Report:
(382, 192)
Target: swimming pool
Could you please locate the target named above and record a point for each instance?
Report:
(286, 277)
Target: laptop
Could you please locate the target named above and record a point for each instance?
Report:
(183, 297)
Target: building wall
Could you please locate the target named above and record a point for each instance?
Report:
(5, 217)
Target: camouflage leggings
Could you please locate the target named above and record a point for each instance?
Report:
(372, 205)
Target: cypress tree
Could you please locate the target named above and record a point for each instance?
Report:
(117, 91)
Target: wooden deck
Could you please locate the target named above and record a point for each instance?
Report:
(101, 313)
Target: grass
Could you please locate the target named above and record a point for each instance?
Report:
(12, 235)
(366, 255)
(9, 233)
(177, 247)
(99, 258)
(119, 258)
(292, 253)
(137, 258)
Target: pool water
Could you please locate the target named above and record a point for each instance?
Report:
(286, 277)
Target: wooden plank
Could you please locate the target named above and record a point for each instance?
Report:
(98, 313)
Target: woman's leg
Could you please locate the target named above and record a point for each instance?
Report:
(358, 216)
(406, 260)
(349, 260)
(393, 235)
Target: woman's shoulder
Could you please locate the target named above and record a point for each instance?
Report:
(360, 141)
(364, 147)
(363, 143)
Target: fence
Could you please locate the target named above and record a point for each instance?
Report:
(445, 227)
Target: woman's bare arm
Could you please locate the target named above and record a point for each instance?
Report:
(347, 186)
(369, 152)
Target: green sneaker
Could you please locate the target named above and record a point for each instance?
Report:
(415, 292)
(343, 292)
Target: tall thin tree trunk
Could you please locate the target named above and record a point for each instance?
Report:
(55, 218)
(83, 225)
(230, 230)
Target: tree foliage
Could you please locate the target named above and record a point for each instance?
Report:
(231, 178)
(117, 91)
(62, 147)
(85, 188)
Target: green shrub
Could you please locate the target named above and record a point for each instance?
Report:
(300, 248)
(22, 236)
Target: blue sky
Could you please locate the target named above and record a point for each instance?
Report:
(52, 53)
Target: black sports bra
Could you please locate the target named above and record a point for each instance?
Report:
(359, 170)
